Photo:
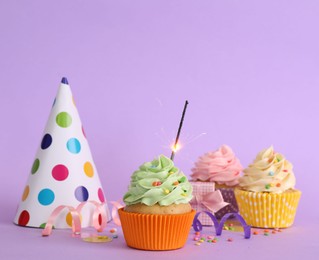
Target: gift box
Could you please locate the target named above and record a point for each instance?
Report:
(229, 197)
(206, 198)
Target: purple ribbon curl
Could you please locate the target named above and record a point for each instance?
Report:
(197, 225)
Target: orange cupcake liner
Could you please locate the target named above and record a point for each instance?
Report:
(156, 232)
(268, 210)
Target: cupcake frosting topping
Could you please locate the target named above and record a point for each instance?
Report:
(221, 166)
(159, 182)
(270, 172)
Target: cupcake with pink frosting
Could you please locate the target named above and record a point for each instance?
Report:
(223, 168)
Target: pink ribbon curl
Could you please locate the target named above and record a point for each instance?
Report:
(99, 217)
(76, 221)
(115, 217)
(213, 201)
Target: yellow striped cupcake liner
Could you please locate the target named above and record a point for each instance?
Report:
(268, 210)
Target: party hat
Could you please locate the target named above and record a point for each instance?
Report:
(63, 172)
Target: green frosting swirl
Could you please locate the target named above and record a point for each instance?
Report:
(158, 182)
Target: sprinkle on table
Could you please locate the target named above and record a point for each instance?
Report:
(266, 232)
(113, 230)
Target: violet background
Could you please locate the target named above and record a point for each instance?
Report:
(249, 70)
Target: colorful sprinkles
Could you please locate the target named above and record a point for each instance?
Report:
(166, 191)
(156, 183)
(266, 232)
(199, 238)
(183, 179)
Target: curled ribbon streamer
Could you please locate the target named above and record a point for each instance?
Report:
(98, 211)
(99, 218)
(197, 225)
(116, 205)
(213, 200)
(76, 223)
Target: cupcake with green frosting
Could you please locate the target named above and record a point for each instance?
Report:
(157, 215)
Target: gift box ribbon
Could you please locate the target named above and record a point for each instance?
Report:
(213, 201)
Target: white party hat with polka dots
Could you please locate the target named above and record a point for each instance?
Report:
(63, 172)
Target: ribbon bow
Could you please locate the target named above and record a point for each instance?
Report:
(213, 201)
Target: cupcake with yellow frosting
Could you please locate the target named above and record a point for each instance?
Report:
(157, 215)
(266, 196)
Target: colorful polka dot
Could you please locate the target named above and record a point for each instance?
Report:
(88, 169)
(81, 194)
(101, 195)
(64, 119)
(46, 141)
(100, 219)
(24, 218)
(35, 166)
(46, 197)
(42, 225)
(83, 132)
(60, 172)
(69, 219)
(73, 145)
(25, 193)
